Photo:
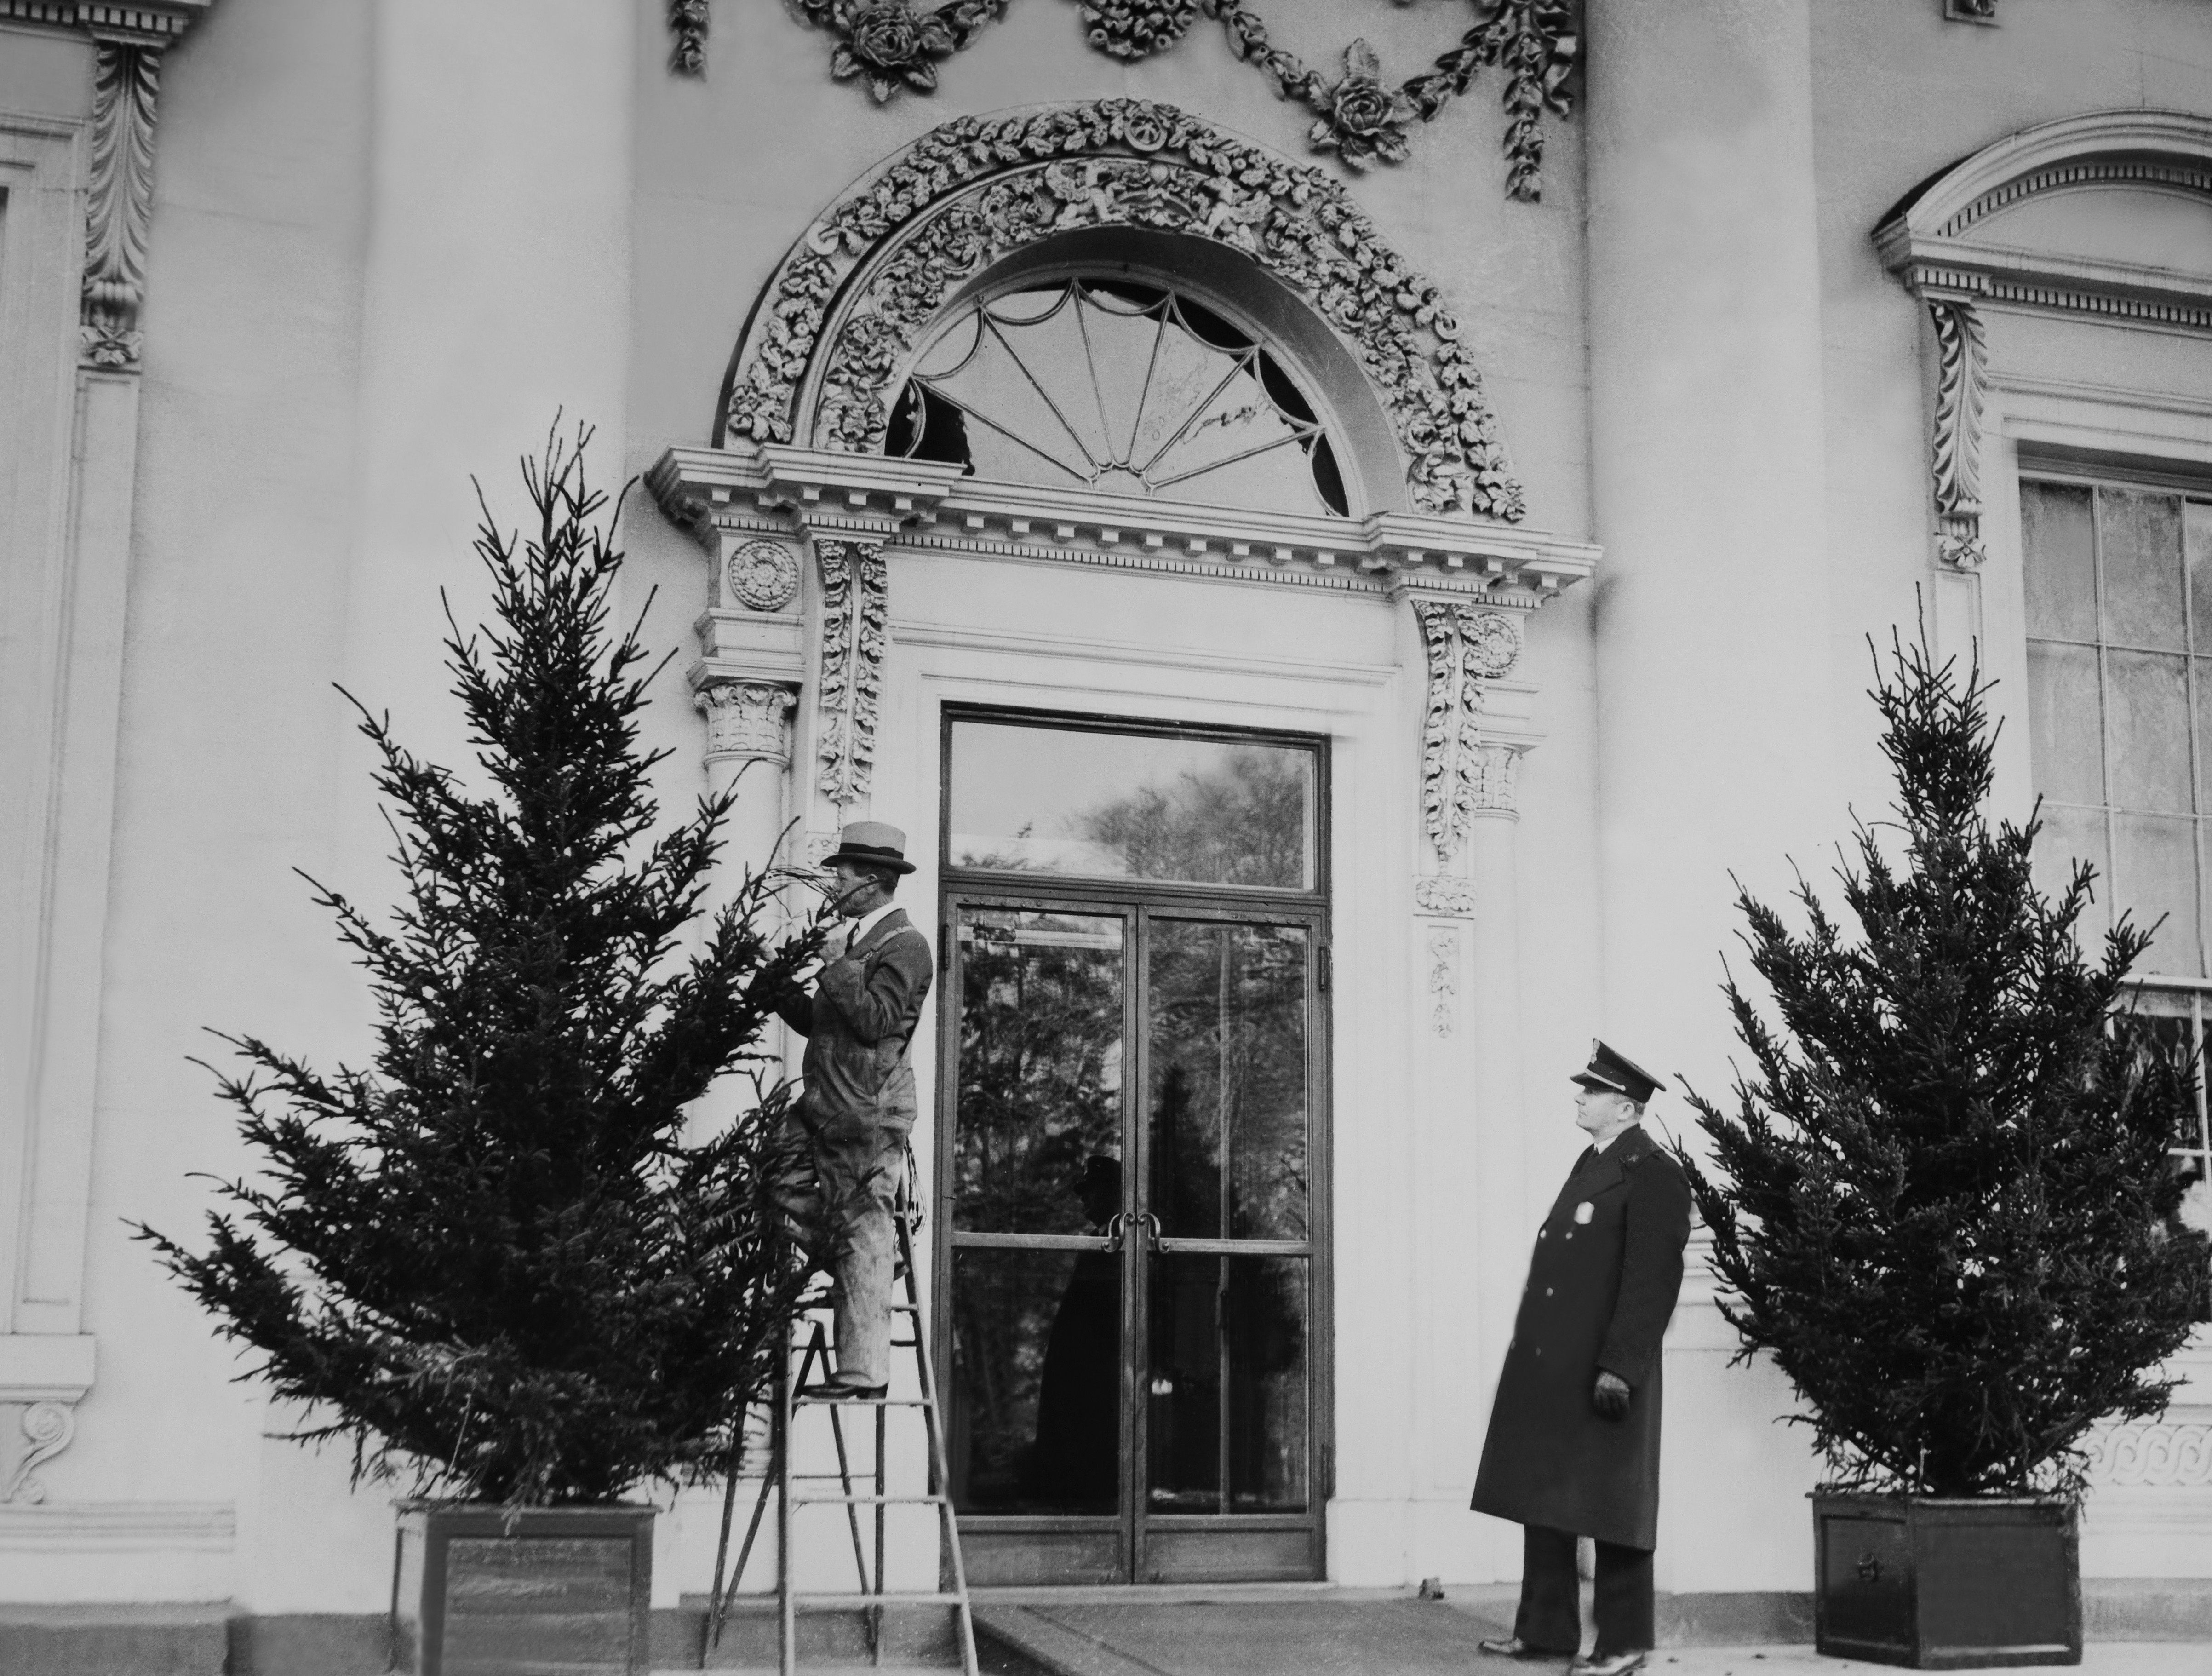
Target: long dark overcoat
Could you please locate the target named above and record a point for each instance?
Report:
(1601, 1284)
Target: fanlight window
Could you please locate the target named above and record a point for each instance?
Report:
(1121, 388)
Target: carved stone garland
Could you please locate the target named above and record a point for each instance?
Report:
(973, 190)
(1444, 978)
(687, 23)
(855, 597)
(1461, 773)
(120, 205)
(2177, 1455)
(1962, 370)
(896, 45)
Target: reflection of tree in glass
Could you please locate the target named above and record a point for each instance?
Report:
(1229, 1081)
(1040, 1091)
(1040, 1079)
(1244, 823)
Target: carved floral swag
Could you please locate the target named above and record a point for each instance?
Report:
(896, 45)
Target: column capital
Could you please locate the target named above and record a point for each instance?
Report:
(747, 720)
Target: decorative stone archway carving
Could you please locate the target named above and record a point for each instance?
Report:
(1983, 233)
(843, 314)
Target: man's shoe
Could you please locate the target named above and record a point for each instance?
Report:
(838, 1391)
(1614, 1664)
(1512, 1647)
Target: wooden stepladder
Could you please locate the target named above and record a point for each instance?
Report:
(808, 1360)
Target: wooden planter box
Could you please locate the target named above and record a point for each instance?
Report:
(1938, 1583)
(484, 1591)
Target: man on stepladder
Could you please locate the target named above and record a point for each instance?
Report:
(845, 1144)
(1573, 1447)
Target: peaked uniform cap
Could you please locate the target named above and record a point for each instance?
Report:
(1610, 1069)
(878, 842)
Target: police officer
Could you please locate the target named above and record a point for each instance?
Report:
(845, 1148)
(1573, 1448)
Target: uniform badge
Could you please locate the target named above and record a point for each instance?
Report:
(1583, 1213)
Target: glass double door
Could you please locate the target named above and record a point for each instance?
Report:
(1131, 1298)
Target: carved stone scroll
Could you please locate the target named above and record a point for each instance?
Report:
(47, 1429)
(855, 599)
(2161, 1453)
(1461, 773)
(1961, 374)
(748, 720)
(119, 206)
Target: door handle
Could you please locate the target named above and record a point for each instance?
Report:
(1151, 1226)
(1117, 1225)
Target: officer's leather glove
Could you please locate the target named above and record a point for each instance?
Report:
(1610, 1396)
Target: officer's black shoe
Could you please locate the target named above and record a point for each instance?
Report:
(837, 1391)
(1613, 1664)
(1512, 1647)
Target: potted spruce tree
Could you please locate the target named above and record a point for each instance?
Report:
(494, 1261)
(1943, 1204)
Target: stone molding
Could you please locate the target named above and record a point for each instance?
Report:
(837, 322)
(206, 1526)
(1935, 245)
(774, 489)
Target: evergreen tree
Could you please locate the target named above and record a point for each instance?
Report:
(492, 1257)
(1945, 1192)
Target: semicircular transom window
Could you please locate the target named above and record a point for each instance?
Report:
(1124, 388)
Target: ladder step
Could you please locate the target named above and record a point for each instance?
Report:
(860, 1405)
(867, 1501)
(851, 1599)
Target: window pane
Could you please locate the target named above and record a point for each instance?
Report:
(1128, 805)
(2141, 537)
(2066, 727)
(1040, 1090)
(2060, 561)
(2149, 728)
(1037, 1382)
(1228, 1097)
(1228, 1367)
(2070, 834)
(2155, 873)
(2197, 533)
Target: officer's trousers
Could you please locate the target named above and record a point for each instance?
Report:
(1550, 1616)
(838, 1182)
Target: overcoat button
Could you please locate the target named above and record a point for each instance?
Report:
(1548, 1291)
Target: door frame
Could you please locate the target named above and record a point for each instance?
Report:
(1136, 904)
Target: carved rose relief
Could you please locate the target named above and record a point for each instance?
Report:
(1361, 118)
(764, 576)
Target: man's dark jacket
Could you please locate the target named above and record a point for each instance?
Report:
(857, 1024)
(1599, 1294)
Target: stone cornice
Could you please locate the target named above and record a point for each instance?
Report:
(1928, 242)
(771, 486)
(157, 22)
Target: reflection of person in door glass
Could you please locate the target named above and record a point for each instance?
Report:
(1075, 1463)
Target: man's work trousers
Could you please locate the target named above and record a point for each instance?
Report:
(1550, 1616)
(838, 1183)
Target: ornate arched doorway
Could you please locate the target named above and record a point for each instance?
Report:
(1108, 341)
